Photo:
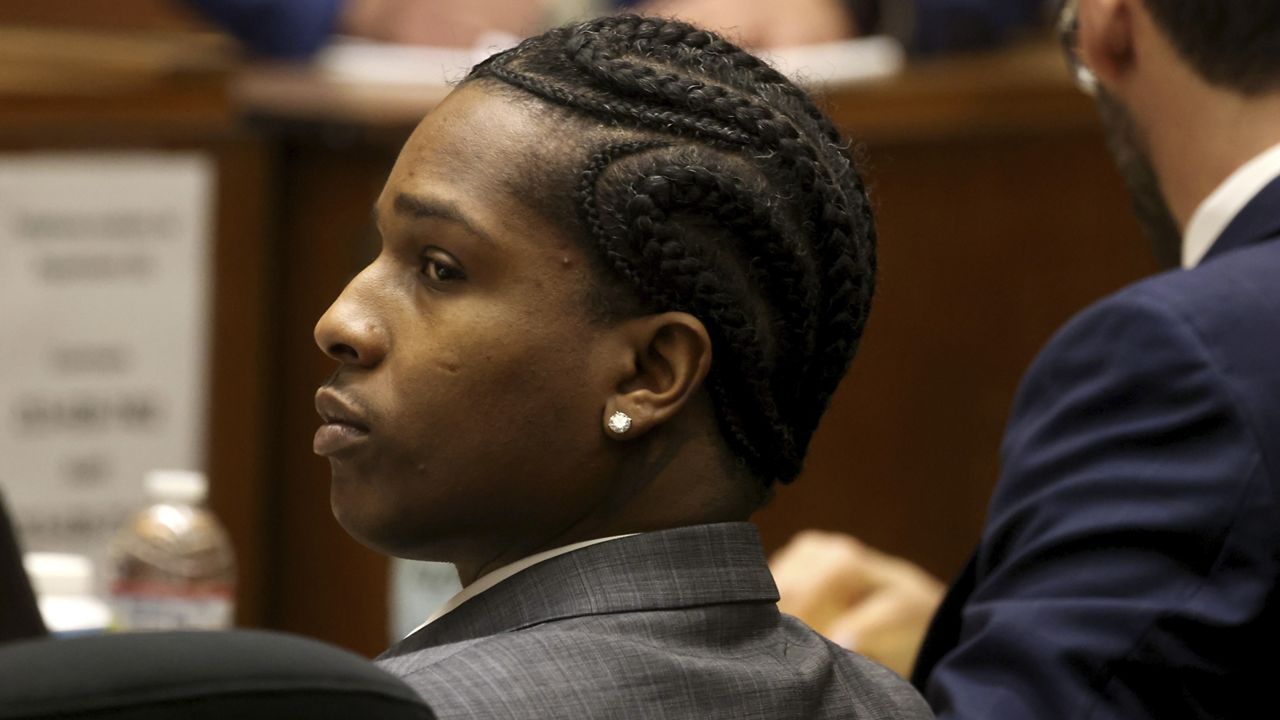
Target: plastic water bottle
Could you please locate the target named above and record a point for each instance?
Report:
(63, 584)
(173, 564)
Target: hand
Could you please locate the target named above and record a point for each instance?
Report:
(763, 23)
(860, 598)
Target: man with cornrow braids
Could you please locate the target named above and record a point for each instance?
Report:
(624, 266)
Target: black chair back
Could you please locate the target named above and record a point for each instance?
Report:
(197, 676)
(19, 616)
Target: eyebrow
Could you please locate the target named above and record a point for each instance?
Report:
(418, 207)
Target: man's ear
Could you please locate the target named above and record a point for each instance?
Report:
(1107, 39)
(667, 358)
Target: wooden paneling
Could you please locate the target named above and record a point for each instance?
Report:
(240, 421)
(62, 85)
(1000, 215)
(173, 95)
(326, 584)
(987, 245)
(150, 15)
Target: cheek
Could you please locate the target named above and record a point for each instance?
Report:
(528, 381)
(499, 435)
(493, 394)
(531, 426)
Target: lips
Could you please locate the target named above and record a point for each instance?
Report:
(344, 428)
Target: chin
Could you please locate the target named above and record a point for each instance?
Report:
(370, 534)
(355, 515)
(383, 530)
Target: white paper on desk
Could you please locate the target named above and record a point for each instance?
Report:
(104, 315)
(839, 63)
(354, 60)
(365, 62)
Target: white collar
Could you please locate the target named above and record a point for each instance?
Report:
(1224, 204)
(489, 579)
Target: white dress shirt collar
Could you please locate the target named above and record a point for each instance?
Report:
(489, 579)
(1224, 204)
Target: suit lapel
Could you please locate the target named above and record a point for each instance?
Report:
(1258, 222)
(681, 568)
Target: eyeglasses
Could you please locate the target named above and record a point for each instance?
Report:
(1069, 36)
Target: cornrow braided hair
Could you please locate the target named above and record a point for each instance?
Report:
(712, 185)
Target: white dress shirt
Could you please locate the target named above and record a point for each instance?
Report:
(1224, 204)
(489, 579)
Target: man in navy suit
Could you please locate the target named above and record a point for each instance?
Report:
(1130, 563)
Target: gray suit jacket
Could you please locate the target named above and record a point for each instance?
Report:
(673, 624)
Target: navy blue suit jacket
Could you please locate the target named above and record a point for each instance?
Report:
(1128, 568)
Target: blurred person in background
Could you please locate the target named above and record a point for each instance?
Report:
(1129, 564)
(285, 28)
(925, 27)
(298, 28)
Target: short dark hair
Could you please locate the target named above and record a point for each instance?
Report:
(701, 180)
(1231, 43)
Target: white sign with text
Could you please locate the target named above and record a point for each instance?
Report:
(105, 286)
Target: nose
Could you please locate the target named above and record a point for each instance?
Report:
(351, 331)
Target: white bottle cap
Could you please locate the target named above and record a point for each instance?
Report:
(188, 487)
(59, 573)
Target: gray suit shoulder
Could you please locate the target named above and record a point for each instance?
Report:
(878, 691)
(683, 664)
(901, 701)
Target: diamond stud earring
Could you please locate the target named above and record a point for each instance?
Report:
(619, 422)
